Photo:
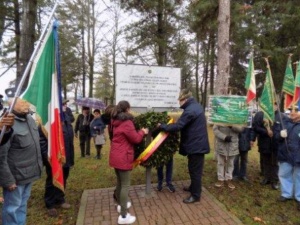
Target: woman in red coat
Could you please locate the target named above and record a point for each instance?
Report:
(121, 157)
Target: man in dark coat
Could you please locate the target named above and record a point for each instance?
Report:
(193, 140)
(83, 126)
(267, 148)
(54, 197)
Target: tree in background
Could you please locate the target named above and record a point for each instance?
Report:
(104, 82)
(153, 32)
(199, 13)
(29, 13)
(223, 67)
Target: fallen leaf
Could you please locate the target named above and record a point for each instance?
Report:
(257, 219)
(59, 222)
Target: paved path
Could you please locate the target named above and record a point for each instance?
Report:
(160, 208)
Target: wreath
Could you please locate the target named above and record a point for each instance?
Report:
(167, 149)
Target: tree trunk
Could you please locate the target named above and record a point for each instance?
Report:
(91, 44)
(160, 34)
(197, 67)
(3, 12)
(212, 62)
(223, 69)
(83, 61)
(205, 72)
(27, 36)
(17, 30)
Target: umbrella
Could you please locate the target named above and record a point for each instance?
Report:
(91, 103)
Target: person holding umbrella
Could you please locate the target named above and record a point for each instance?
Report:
(82, 126)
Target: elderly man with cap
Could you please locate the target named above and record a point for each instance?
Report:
(193, 141)
(20, 165)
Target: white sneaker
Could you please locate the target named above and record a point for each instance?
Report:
(129, 219)
(119, 207)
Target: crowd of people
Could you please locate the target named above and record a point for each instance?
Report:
(278, 145)
(24, 151)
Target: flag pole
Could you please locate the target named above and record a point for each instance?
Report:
(29, 64)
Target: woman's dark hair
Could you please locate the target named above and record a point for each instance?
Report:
(122, 106)
(108, 110)
(96, 111)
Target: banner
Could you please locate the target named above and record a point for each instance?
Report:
(229, 110)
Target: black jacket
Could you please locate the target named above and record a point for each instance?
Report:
(79, 126)
(266, 144)
(245, 138)
(192, 127)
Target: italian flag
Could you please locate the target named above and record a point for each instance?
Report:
(43, 92)
(250, 82)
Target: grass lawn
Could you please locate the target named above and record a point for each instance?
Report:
(250, 202)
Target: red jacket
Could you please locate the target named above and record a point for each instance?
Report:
(125, 136)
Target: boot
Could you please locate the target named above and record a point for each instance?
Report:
(98, 153)
(82, 152)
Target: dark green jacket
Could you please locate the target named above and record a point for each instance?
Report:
(20, 157)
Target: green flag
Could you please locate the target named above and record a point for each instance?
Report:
(267, 98)
(288, 81)
(297, 85)
(288, 85)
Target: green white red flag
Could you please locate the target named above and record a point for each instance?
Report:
(288, 85)
(43, 92)
(250, 84)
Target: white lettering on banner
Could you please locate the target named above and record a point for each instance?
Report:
(148, 86)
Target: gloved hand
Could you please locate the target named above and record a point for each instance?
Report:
(228, 139)
(283, 133)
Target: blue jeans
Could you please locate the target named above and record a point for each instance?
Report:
(169, 172)
(240, 165)
(15, 205)
(289, 177)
